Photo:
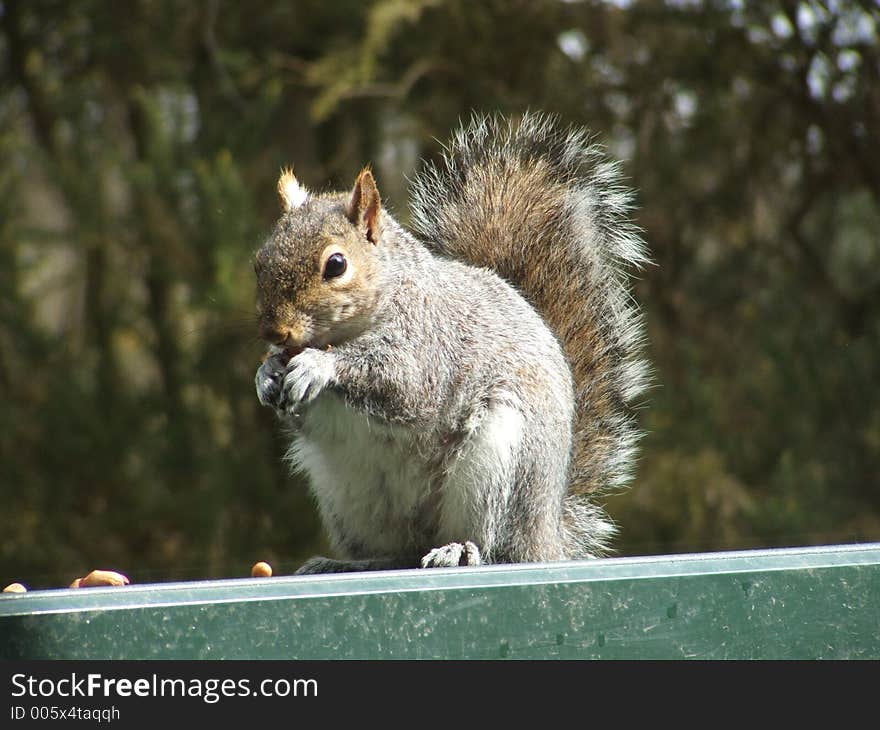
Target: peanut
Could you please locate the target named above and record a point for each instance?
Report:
(102, 578)
(261, 570)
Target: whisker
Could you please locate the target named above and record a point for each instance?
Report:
(230, 329)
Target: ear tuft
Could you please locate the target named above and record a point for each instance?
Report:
(292, 194)
(365, 204)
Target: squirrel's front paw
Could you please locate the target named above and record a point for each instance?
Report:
(269, 378)
(307, 375)
(453, 555)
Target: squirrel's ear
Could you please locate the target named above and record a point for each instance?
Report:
(292, 194)
(363, 208)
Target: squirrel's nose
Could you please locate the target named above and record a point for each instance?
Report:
(288, 332)
(273, 335)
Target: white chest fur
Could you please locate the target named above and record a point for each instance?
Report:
(372, 481)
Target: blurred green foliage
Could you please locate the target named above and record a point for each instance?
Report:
(139, 148)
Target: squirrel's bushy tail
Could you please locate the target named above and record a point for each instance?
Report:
(544, 208)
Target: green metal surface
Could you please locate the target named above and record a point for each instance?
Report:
(805, 603)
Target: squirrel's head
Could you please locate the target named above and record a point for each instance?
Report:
(317, 272)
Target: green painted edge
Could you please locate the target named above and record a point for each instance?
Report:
(491, 576)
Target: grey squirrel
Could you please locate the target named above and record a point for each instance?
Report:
(459, 396)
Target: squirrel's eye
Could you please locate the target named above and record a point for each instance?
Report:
(335, 266)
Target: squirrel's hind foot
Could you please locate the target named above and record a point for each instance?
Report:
(453, 555)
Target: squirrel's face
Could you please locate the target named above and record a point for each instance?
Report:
(316, 273)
